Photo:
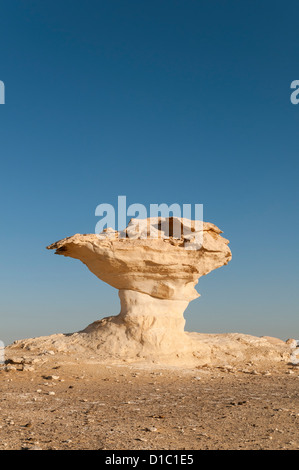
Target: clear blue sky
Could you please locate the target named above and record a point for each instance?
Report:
(162, 101)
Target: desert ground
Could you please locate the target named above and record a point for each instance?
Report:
(58, 401)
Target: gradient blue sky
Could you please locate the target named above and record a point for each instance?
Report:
(161, 101)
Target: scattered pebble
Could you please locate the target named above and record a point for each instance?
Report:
(27, 368)
(151, 429)
(16, 360)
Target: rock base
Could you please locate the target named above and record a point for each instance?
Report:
(151, 330)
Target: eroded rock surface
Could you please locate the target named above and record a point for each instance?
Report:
(165, 267)
(155, 264)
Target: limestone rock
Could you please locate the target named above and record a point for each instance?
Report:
(292, 343)
(162, 266)
(155, 264)
(274, 340)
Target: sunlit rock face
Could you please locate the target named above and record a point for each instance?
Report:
(163, 258)
(155, 264)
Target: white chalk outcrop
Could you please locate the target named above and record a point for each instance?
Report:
(164, 267)
(155, 264)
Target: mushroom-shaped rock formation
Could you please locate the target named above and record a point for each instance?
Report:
(155, 264)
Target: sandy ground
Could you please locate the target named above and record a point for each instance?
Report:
(63, 403)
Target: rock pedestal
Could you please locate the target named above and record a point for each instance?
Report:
(145, 327)
(155, 271)
(155, 264)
